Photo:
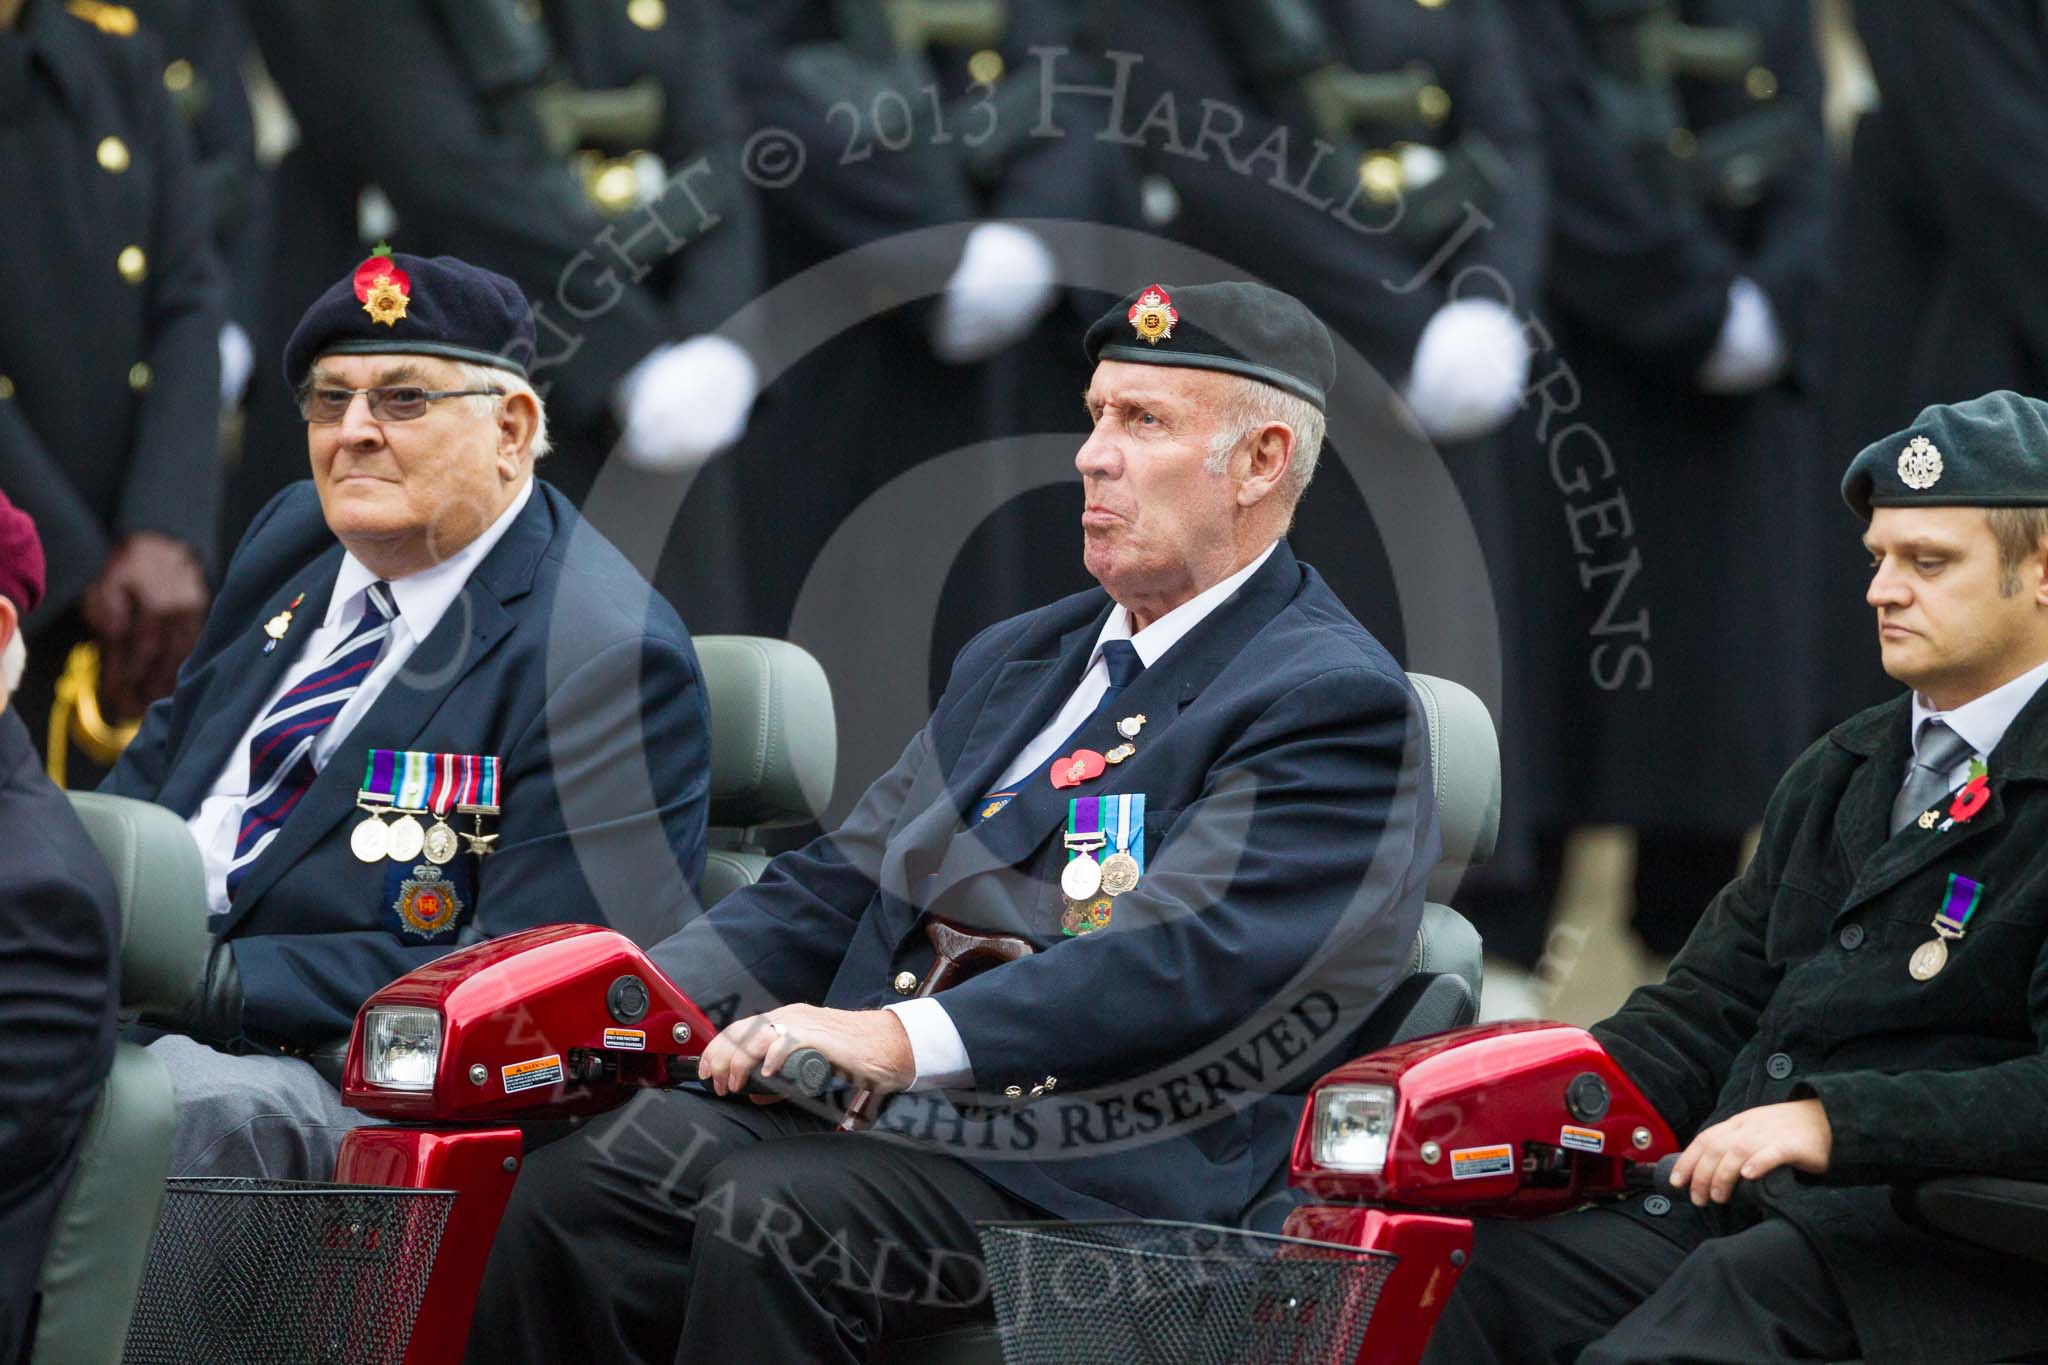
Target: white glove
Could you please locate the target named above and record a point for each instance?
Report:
(237, 359)
(1750, 352)
(1003, 285)
(686, 402)
(1471, 369)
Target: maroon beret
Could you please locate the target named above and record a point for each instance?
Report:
(21, 557)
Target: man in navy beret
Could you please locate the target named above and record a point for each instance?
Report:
(430, 705)
(1863, 1004)
(1200, 794)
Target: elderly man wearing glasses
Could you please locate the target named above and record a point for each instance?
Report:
(430, 705)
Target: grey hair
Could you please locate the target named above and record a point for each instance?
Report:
(475, 376)
(13, 660)
(1248, 404)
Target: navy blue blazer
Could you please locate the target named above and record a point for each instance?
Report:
(60, 943)
(557, 657)
(1152, 1068)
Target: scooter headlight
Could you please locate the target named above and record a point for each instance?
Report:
(401, 1047)
(1353, 1123)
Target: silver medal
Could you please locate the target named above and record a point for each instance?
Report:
(370, 840)
(1928, 959)
(440, 844)
(1081, 878)
(407, 838)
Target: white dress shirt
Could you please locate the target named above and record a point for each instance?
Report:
(936, 1048)
(422, 598)
(1983, 722)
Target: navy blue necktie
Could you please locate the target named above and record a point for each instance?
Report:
(1121, 657)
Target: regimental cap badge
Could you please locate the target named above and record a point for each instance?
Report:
(1153, 315)
(1920, 464)
(383, 288)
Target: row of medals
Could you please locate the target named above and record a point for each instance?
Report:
(1083, 877)
(404, 839)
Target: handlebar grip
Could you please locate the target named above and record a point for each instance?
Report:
(807, 1070)
(1776, 1183)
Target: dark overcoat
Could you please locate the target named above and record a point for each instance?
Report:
(60, 938)
(449, 133)
(1667, 536)
(110, 369)
(1941, 294)
(556, 657)
(1795, 985)
(1155, 1067)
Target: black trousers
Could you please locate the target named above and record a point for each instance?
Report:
(685, 1227)
(1602, 1287)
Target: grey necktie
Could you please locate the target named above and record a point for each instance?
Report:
(1937, 751)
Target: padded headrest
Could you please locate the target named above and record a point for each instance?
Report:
(156, 867)
(774, 742)
(1466, 756)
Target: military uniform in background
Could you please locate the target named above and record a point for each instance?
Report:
(1672, 500)
(1940, 231)
(1429, 180)
(109, 373)
(518, 136)
(204, 44)
(913, 116)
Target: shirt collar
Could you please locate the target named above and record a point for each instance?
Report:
(1983, 722)
(423, 597)
(1154, 640)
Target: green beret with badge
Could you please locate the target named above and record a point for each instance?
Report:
(1236, 327)
(1989, 452)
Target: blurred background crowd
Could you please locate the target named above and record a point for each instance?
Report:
(1639, 275)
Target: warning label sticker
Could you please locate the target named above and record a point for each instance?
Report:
(1582, 1139)
(626, 1039)
(526, 1075)
(1470, 1163)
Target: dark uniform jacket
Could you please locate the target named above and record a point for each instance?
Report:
(556, 657)
(60, 941)
(1643, 487)
(446, 122)
(110, 362)
(1154, 1067)
(1795, 985)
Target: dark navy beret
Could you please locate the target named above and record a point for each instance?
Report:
(1237, 327)
(1988, 452)
(394, 304)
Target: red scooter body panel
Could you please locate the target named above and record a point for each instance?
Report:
(1433, 1252)
(479, 1164)
(1492, 1099)
(531, 1010)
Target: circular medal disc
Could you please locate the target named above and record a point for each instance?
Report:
(439, 844)
(1082, 878)
(370, 840)
(406, 839)
(1119, 873)
(1928, 959)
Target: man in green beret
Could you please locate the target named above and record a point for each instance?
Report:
(1861, 1004)
(1199, 793)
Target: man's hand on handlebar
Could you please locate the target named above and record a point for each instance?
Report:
(1751, 1145)
(869, 1047)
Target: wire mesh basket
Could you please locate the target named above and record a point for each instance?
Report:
(251, 1272)
(1162, 1293)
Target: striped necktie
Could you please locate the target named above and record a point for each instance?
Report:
(281, 750)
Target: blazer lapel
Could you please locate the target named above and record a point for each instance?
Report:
(247, 677)
(2015, 760)
(1160, 694)
(465, 635)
